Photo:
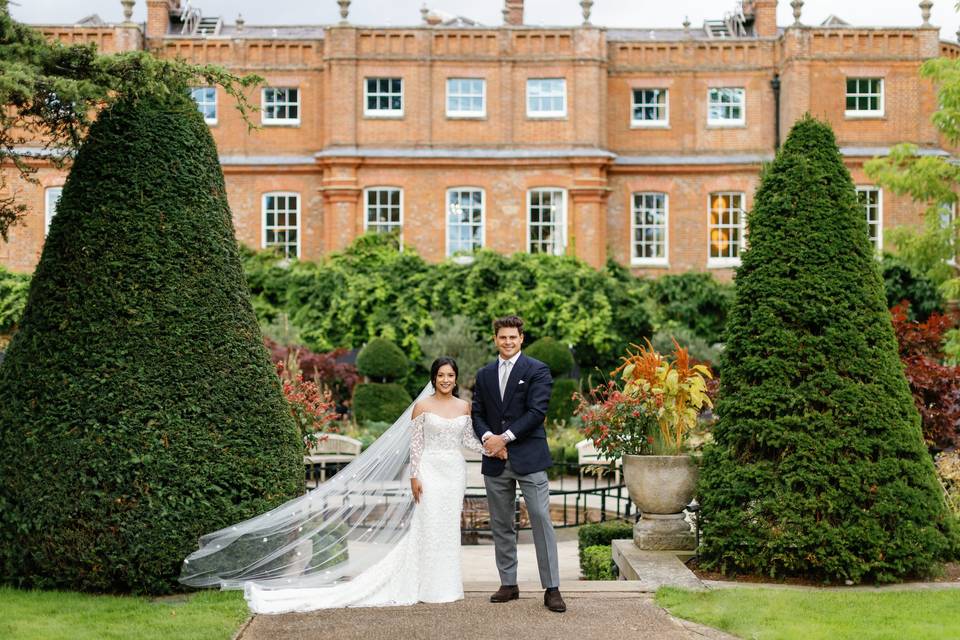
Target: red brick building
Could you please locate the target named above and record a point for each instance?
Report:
(643, 144)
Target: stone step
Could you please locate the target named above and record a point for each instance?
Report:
(653, 569)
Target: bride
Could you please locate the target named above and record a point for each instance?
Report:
(381, 532)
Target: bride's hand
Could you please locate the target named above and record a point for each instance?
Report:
(417, 487)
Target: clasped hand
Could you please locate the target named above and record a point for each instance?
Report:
(495, 447)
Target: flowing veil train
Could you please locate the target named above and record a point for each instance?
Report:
(328, 535)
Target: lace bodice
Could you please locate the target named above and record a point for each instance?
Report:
(436, 433)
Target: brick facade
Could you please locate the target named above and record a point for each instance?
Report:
(594, 152)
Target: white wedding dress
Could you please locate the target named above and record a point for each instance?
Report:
(424, 566)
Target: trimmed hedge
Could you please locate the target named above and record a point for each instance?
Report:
(383, 360)
(597, 563)
(138, 406)
(379, 402)
(602, 533)
(695, 300)
(819, 468)
(552, 353)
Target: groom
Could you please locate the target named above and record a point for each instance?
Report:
(510, 400)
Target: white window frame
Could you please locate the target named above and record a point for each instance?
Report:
(482, 224)
(644, 261)
(275, 227)
(201, 102)
(366, 213)
(383, 113)
(50, 206)
(645, 124)
(725, 262)
(562, 113)
(726, 122)
(863, 113)
(948, 218)
(459, 113)
(878, 242)
(278, 103)
(560, 247)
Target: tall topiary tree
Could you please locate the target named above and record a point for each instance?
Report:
(138, 406)
(819, 468)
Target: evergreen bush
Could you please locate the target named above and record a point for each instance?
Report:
(819, 468)
(552, 353)
(602, 533)
(382, 360)
(379, 402)
(13, 298)
(901, 282)
(598, 564)
(138, 406)
(694, 300)
(562, 404)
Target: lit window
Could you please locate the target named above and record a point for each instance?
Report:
(649, 228)
(871, 199)
(726, 230)
(464, 221)
(649, 108)
(206, 99)
(384, 210)
(281, 223)
(281, 105)
(546, 231)
(726, 106)
(51, 200)
(546, 98)
(466, 98)
(864, 97)
(383, 97)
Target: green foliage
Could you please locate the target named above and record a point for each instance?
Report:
(373, 289)
(901, 282)
(376, 402)
(13, 298)
(562, 403)
(552, 353)
(698, 348)
(602, 533)
(597, 563)
(382, 360)
(138, 406)
(456, 337)
(694, 300)
(819, 468)
(52, 92)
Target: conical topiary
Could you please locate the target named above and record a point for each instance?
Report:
(819, 468)
(138, 406)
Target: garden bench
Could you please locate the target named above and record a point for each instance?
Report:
(336, 450)
(587, 455)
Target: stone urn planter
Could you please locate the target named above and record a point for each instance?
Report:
(661, 487)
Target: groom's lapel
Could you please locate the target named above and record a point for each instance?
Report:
(494, 382)
(516, 374)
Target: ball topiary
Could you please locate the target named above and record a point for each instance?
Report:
(379, 402)
(382, 360)
(552, 353)
(138, 406)
(819, 468)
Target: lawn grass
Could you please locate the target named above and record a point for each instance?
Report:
(786, 614)
(52, 615)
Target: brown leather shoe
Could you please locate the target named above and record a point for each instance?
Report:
(554, 601)
(506, 593)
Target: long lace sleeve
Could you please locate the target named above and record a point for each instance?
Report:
(469, 438)
(416, 445)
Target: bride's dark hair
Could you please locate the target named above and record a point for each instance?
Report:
(435, 369)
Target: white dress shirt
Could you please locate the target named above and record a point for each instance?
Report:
(500, 362)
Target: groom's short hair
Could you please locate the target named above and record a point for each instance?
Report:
(508, 321)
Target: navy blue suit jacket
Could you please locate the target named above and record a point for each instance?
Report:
(522, 411)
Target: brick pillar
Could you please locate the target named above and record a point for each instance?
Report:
(342, 221)
(587, 212)
(158, 18)
(765, 18)
(513, 12)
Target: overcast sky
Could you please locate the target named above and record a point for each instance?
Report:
(610, 13)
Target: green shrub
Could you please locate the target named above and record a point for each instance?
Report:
(138, 406)
(382, 360)
(903, 283)
(819, 468)
(13, 298)
(695, 300)
(698, 348)
(379, 402)
(552, 353)
(456, 337)
(562, 404)
(602, 533)
(597, 563)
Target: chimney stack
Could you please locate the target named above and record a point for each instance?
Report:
(513, 12)
(765, 18)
